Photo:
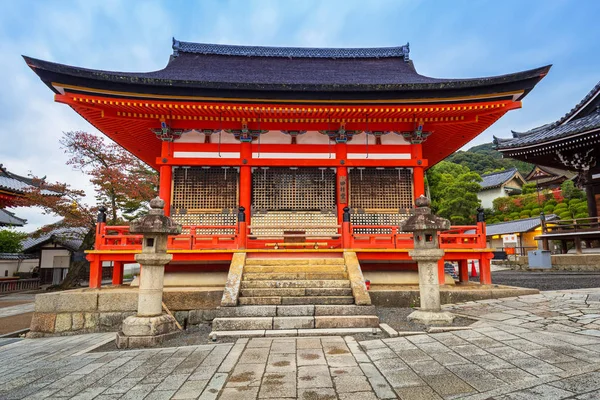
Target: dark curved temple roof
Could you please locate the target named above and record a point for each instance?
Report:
(248, 72)
(584, 117)
(495, 179)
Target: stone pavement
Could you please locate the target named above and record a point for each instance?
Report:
(575, 311)
(16, 310)
(493, 360)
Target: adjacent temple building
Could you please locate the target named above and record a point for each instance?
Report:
(288, 152)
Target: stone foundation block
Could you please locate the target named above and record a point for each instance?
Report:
(347, 321)
(90, 320)
(149, 326)
(237, 324)
(431, 317)
(293, 323)
(344, 310)
(111, 301)
(133, 342)
(192, 300)
(68, 301)
(78, 321)
(296, 311)
(181, 316)
(110, 319)
(195, 317)
(63, 323)
(247, 311)
(43, 322)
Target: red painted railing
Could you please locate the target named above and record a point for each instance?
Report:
(197, 237)
(118, 238)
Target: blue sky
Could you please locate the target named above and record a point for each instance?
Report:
(453, 39)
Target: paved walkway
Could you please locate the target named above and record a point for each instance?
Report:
(494, 360)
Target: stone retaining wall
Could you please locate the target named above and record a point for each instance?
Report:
(103, 310)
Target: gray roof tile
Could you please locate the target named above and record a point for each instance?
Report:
(518, 226)
(67, 237)
(289, 52)
(9, 219)
(496, 179)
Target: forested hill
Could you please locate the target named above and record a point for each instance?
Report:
(484, 158)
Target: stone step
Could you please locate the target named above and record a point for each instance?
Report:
(295, 261)
(288, 276)
(237, 324)
(248, 311)
(347, 321)
(269, 292)
(321, 310)
(215, 335)
(306, 322)
(294, 268)
(327, 283)
(296, 300)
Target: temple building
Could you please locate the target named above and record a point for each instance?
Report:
(499, 184)
(288, 152)
(549, 177)
(572, 143)
(13, 186)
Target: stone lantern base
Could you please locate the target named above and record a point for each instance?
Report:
(146, 331)
(431, 317)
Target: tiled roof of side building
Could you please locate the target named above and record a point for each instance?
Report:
(9, 219)
(579, 125)
(517, 226)
(496, 179)
(584, 116)
(18, 184)
(70, 238)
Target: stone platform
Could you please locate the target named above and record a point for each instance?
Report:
(103, 310)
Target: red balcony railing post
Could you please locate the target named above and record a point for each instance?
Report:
(117, 276)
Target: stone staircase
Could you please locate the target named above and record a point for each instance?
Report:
(295, 296)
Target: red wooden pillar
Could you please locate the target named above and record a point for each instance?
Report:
(117, 276)
(245, 191)
(485, 274)
(463, 270)
(418, 172)
(441, 271)
(95, 271)
(164, 191)
(341, 153)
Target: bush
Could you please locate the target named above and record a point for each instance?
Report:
(561, 207)
(565, 215)
(574, 202)
(525, 213)
(549, 209)
(513, 215)
(551, 202)
(535, 212)
(581, 215)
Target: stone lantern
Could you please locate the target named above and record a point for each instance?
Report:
(150, 326)
(425, 227)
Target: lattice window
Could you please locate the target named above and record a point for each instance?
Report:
(380, 188)
(293, 189)
(391, 219)
(198, 189)
(208, 219)
(293, 221)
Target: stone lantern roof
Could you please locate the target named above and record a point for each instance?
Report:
(423, 219)
(156, 221)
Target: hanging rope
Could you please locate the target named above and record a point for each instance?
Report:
(220, 130)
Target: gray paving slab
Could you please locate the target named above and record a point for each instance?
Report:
(501, 358)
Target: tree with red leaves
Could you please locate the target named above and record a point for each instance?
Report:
(123, 184)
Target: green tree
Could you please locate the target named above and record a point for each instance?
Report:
(10, 241)
(454, 191)
(529, 188)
